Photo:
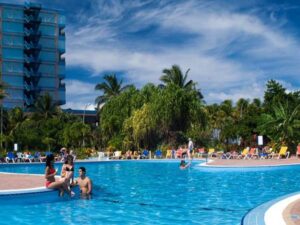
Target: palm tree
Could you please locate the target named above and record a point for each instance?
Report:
(242, 107)
(111, 87)
(283, 124)
(3, 94)
(175, 76)
(2, 91)
(45, 107)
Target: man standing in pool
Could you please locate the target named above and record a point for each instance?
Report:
(84, 183)
(190, 148)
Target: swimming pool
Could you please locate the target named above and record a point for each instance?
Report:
(151, 192)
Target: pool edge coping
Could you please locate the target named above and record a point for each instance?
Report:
(204, 164)
(270, 211)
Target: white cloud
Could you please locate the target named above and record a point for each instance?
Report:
(252, 91)
(261, 48)
(80, 95)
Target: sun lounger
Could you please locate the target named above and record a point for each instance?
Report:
(252, 153)
(230, 155)
(169, 154)
(10, 157)
(158, 154)
(282, 153)
(37, 157)
(200, 152)
(298, 151)
(20, 157)
(211, 152)
(27, 157)
(117, 155)
(243, 154)
(100, 155)
(145, 154)
(179, 153)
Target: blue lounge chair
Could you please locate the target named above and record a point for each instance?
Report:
(37, 157)
(145, 154)
(158, 154)
(10, 157)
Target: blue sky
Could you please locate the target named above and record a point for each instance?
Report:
(232, 47)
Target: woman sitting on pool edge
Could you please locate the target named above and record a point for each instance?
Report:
(183, 165)
(50, 173)
(67, 170)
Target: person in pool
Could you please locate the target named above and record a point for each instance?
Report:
(50, 173)
(183, 165)
(84, 182)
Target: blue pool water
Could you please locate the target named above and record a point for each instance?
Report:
(151, 192)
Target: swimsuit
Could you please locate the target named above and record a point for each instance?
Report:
(52, 171)
(72, 169)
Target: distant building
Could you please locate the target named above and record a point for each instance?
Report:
(87, 116)
(32, 48)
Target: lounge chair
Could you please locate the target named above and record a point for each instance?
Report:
(10, 157)
(169, 154)
(100, 155)
(158, 154)
(27, 157)
(282, 153)
(37, 157)
(200, 152)
(252, 153)
(117, 155)
(136, 155)
(298, 151)
(20, 157)
(2, 160)
(230, 155)
(267, 153)
(43, 157)
(243, 154)
(108, 154)
(179, 153)
(211, 152)
(145, 154)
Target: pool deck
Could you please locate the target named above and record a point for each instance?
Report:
(251, 162)
(291, 214)
(10, 181)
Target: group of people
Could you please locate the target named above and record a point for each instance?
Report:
(66, 180)
(185, 151)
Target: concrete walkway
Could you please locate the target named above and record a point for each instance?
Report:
(252, 162)
(291, 214)
(11, 181)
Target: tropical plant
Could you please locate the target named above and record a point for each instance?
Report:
(175, 76)
(45, 107)
(111, 87)
(3, 94)
(282, 125)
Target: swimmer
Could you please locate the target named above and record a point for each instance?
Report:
(183, 165)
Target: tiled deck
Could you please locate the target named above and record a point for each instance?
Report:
(252, 162)
(291, 214)
(20, 181)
